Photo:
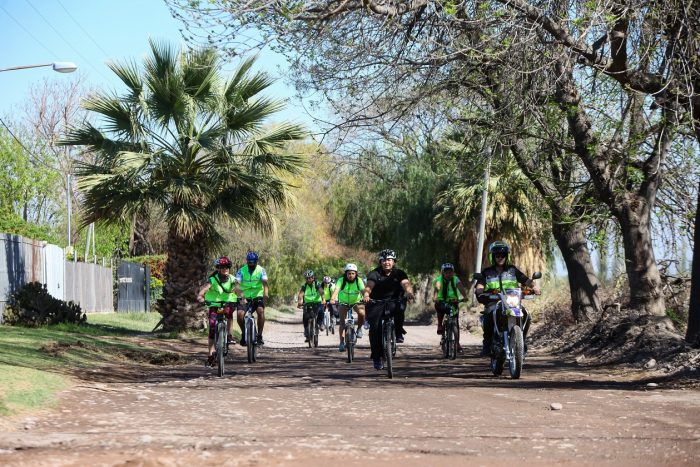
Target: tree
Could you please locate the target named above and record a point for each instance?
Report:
(186, 142)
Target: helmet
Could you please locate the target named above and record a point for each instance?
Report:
(447, 266)
(387, 254)
(350, 267)
(251, 257)
(498, 247)
(223, 262)
(327, 279)
(309, 273)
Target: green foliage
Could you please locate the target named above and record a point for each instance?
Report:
(390, 204)
(156, 263)
(13, 224)
(32, 305)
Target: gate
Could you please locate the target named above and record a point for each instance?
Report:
(134, 287)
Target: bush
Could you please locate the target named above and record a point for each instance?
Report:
(32, 305)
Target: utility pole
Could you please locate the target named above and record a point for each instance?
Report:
(482, 216)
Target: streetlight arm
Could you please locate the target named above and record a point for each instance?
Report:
(61, 67)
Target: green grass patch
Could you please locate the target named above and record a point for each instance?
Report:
(25, 389)
(35, 362)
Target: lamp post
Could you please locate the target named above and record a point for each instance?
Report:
(60, 67)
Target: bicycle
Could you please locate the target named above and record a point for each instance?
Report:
(221, 343)
(328, 320)
(388, 333)
(350, 333)
(250, 331)
(451, 331)
(312, 323)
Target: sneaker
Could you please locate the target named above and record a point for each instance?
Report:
(378, 365)
(243, 342)
(211, 361)
(441, 330)
(321, 327)
(359, 332)
(306, 339)
(341, 347)
(229, 340)
(399, 339)
(260, 340)
(525, 351)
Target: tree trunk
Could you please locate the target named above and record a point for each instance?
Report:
(692, 335)
(185, 272)
(583, 283)
(640, 264)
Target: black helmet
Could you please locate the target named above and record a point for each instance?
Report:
(447, 266)
(387, 254)
(499, 247)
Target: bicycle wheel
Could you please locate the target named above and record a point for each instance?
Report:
(249, 338)
(393, 339)
(310, 332)
(327, 322)
(350, 342)
(315, 328)
(388, 354)
(452, 350)
(444, 343)
(220, 348)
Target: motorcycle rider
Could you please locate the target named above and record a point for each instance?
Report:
(500, 276)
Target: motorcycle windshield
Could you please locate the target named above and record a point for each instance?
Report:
(513, 301)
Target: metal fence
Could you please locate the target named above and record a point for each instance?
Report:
(23, 260)
(134, 287)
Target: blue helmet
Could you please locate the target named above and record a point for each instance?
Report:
(251, 257)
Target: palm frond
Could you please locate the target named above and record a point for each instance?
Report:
(129, 74)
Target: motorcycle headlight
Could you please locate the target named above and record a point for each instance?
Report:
(513, 301)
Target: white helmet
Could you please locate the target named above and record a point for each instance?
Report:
(350, 267)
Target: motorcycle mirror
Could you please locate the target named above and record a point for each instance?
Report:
(537, 275)
(477, 276)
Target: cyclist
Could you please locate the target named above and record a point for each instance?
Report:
(348, 290)
(328, 288)
(447, 288)
(253, 285)
(500, 276)
(311, 292)
(385, 282)
(221, 288)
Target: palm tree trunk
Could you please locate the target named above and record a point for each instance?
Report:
(583, 283)
(185, 272)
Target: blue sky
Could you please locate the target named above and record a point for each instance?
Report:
(90, 33)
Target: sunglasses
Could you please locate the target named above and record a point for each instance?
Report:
(499, 255)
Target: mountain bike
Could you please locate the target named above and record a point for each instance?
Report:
(328, 319)
(250, 330)
(312, 323)
(350, 333)
(388, 332)
(451, 330)
(220, 335)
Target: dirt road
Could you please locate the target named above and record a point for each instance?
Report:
(300, 406)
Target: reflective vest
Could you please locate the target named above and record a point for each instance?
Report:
(328, 291)
(447, 291)
(311, 294)
(351, 293)
(251, 283)
(221, 292)
(506, 280)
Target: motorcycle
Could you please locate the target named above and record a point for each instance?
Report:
(510, 319)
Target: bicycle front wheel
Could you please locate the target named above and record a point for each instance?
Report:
(350, 342)
(250, 337)
(452, 350)
(388, 350)
(220, 348)
(315, 334)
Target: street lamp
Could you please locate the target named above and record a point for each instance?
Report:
(61, 67)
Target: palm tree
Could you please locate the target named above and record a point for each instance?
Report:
(184, 142)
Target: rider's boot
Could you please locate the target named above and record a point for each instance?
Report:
(260, 340)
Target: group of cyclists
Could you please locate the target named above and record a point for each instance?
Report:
(387, 288)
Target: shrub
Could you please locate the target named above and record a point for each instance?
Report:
(32, 305)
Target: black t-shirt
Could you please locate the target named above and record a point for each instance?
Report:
(386, 286)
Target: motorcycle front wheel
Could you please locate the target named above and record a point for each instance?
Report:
(517, 351)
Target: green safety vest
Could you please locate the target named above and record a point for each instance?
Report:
(251, 284)
(351, 293)
(221, 291)
(507, 279)
(450, 288)
(311, 294)
(328, 291)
